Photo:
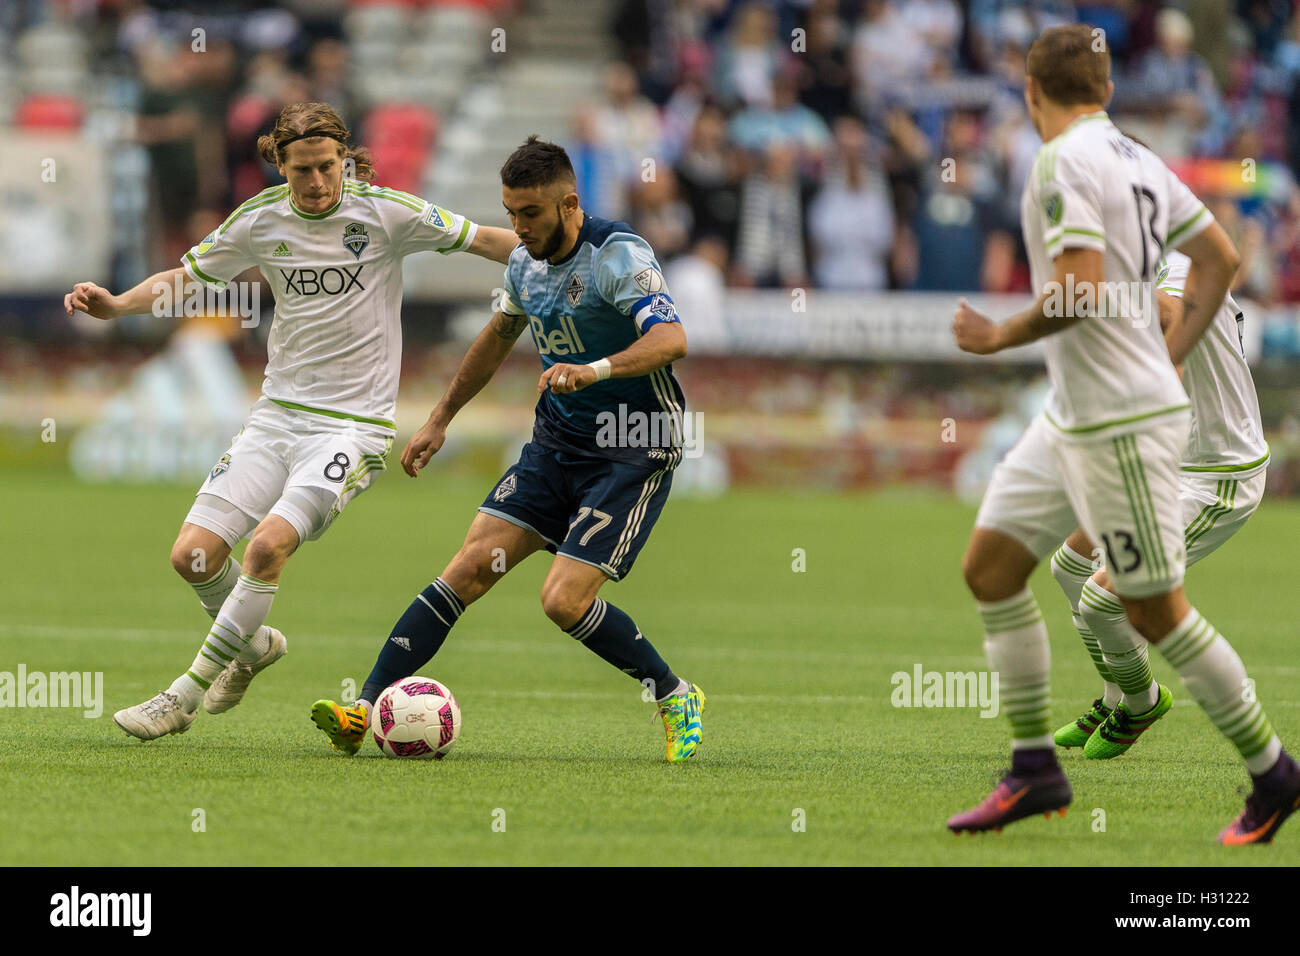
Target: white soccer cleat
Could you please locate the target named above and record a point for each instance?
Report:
(229, 687)
(155, 718)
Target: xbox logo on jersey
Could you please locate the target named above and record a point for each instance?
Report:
(331, 281)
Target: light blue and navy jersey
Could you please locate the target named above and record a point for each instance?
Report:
(603, 296)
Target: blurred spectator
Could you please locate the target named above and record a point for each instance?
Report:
(625, 128)
(770, 245)
(708, 175)
(1174, 91)
(659, 215)
(851, 219)
(698, 284)
(783, 122)
(748, 57)
(825, 76)
(168, 125)
(888, 55)
(958, 242)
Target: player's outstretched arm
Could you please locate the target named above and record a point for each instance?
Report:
(663, 344)
(99, 302)
(493, 242)
(1078, 271)
(1214, 262)
(476, 369)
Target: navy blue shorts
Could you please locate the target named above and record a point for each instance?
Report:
(592, 510)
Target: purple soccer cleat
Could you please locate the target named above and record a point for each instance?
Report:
(1018, 795)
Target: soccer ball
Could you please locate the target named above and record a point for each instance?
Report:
(416, 717)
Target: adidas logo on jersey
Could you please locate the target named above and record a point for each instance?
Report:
(563, 341)
(402, 642)
(281, 251)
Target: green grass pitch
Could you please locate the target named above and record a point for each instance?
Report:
(796, 665)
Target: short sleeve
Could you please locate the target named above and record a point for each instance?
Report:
(1188, 217)
(422, 226)
(629, 279)
(221, 255)
(1171, 275)
(510, 300)
(1069, 202)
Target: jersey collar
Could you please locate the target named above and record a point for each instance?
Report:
(316, 215)
(1086, 117)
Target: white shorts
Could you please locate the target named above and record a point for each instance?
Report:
(287, 462)
(1122, 488)
(1216, 508)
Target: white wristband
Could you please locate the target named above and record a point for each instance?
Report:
(601, 367)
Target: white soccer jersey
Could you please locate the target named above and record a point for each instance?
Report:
(335, 345)
(1227, 435)
(1094, 188)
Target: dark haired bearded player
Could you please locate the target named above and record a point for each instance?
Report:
(593, 296)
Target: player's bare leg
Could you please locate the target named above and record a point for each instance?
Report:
(997, 568)
(493, 546)
(569, 598)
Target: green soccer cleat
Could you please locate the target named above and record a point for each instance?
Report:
(1077, 732)
(681, 716)
(344, 726)
(1122, 729)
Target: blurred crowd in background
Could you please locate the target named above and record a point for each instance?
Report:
(838, 144)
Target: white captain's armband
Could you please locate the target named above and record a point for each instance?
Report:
(654, 309)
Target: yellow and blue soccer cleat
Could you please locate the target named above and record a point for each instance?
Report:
(681, 715)
(344, 726)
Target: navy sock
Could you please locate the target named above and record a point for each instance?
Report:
(611, 635)
(415, 638)
(1033, 760)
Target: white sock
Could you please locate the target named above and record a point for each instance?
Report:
(1015, 640)
(1214, 675)
(237, 632)
(1123, 649)
(214, 591)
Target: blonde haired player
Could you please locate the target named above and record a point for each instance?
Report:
(1220, 486)
(331, 248)
(1104, 455)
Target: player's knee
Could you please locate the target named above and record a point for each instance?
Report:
(182, 558)
(982, 578)
(267, 552)
(562, 605)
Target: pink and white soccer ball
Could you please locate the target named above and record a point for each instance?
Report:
(416, 717)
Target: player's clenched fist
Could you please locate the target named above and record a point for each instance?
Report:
(92, 299)
(423, 445)
(563, 379)
(973, 331)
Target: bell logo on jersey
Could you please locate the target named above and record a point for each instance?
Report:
(563, 341)
(331, 281)
(355, 238)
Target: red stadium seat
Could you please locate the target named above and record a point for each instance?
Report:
(50, 111)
